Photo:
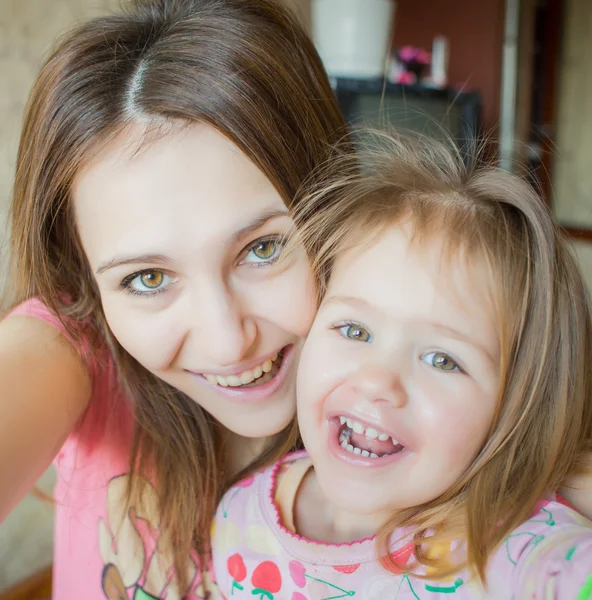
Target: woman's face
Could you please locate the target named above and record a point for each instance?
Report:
(183, 234)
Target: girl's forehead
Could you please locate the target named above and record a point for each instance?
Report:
(394, 262)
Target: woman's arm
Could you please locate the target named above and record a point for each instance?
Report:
(44, 389)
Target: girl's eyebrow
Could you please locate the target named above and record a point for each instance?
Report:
(161, 259)
(352, 301)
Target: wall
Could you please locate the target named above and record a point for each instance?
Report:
(27, 30)
(572, 175)
(475, 33)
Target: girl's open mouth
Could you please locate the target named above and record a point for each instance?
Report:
(359, 439)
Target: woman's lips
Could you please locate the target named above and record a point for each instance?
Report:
(269, 384)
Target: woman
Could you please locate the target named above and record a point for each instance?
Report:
(154, 350)
(160, 154)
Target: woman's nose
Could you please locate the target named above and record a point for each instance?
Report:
(221, 329)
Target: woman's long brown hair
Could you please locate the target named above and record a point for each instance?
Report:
(245, 67)
(542, 430)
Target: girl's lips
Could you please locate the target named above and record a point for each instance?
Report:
(257, 393)
(357, 460)
(381, 423)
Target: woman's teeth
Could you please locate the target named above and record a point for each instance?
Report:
(246, 377)
(349, 427)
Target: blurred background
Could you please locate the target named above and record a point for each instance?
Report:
(518, 72)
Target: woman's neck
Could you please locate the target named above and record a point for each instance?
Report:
(241, 451)
(316, 518)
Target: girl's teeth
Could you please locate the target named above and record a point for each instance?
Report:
(352, 450)
(371, 433)
(266, 366)
(257, 372)
(222, 381)
(360, 429)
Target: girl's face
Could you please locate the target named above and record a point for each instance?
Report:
(183, 234)
(399, 378)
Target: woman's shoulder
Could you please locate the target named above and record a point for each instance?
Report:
(44, 328)
(38, 313)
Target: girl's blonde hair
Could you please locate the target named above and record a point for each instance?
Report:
(542, 429)
(245, 67)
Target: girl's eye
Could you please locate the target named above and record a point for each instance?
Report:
(355, 332)
(440, 360)
(147, 283)
(264, 251)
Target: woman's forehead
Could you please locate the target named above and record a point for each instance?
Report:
(190, 185)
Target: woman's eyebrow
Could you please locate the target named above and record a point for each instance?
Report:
(158, 259)
(161, 259)
(256, 223)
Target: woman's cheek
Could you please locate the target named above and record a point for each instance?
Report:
(290, 300)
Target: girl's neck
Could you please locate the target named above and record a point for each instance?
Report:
(316, 518)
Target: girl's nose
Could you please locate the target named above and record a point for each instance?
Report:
(378, 383)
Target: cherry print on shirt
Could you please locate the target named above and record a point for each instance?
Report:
(399, 559)
(299, 577)
(237, 570)
(298, 571)
(267, 580)
(347, 569)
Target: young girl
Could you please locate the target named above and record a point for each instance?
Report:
(443, 395)
(161, 150)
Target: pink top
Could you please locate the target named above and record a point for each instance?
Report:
(101, 550)
(255, 556)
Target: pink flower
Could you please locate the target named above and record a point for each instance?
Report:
(407, 53)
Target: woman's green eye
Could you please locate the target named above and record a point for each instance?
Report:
(358, 333)
(152, 279)
(440, 360)
(265, 249)
(147, 283)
